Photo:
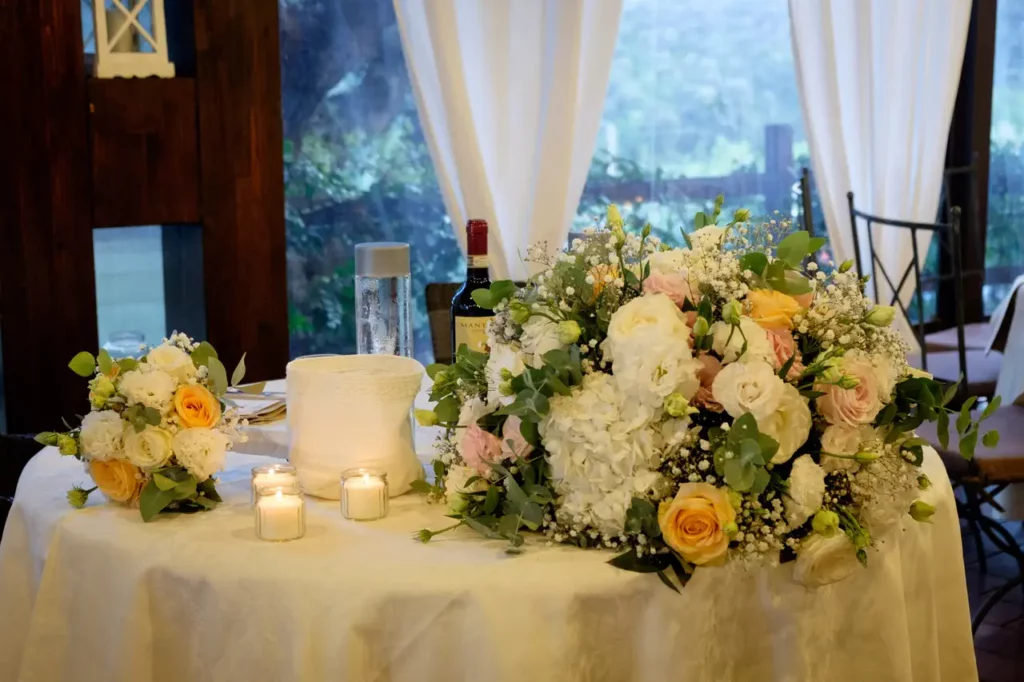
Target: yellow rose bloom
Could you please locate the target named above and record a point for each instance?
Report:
(196, 407)
(116, 478)
(598, 272)
(772, 309)
(695, 523)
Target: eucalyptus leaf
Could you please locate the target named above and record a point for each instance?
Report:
(421, 486)
(755, 262)
(483, 298)
(46, 438)
(990, 439)
(491, 501)
(152, 501)
(750, 451)
(942, 429)
(963, 420)
(992, 406)
(761, 480)
(968, 443)
(164, 483)
(256, 388)
(479, 527)
(667, 581)
(218, 375)
(239, 373)
(83, 364)
(434, 368)
(447, 410)
(152, 416)
(127, 364)
(739, 476)
(104, 361)
(794, 248)
(202, 354)
(648, 563)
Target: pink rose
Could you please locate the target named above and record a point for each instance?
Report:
(674, 285)
(784, 346)
(514, 445)
(479, 448)
(851, 406)
(710, 366)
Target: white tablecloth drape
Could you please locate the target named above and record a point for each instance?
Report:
(97, 595)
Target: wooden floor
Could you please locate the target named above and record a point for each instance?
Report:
(999, 642)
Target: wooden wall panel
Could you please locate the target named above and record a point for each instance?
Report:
(47, 290)
(144, 157)
(238, 75)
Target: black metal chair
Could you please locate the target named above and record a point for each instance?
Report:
(806, 206)
(978, 370)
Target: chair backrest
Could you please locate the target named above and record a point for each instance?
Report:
(807, 217)
(948, 236)
(439, 311)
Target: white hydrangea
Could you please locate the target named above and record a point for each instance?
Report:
(598, 461)
(728, 341)
(202, 451)
(789, 424)
(171, 359)
(540, 335)
(101, 435)
(806, 491)
(154, 388)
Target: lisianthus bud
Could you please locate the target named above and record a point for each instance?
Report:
(881, 315)
(848, 382)
(825, 522)
(568, 331)
(676, 404)
(923, 482)
(519, 312)
(646, 232)
(505, 388)
(731, 312)
(426, 418)
(700, 327)
(614, 218)
(862, 539)
(730, 529)
(741, 215)
(77, 497)
(100, 390)
(865, 457)
(66, 444)
(921, 511)
(845, 267)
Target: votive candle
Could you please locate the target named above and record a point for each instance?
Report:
(280, 513)
(280, 474)
(364, 494)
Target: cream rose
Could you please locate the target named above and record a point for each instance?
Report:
(862, 403)
(843, 440)
(101, 436)
(147, 449)
(806, 491)
(695, 522)
(748, 387)
(643, 321)
(728, 341)
(789, 424)
(172, 360)
(822, 560)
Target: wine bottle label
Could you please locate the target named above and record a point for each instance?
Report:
(477, 261)
(471, 331)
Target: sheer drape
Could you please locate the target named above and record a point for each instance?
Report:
(877, 83)
(510, 95)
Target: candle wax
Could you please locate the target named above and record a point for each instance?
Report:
(280, 517)
(364, 498)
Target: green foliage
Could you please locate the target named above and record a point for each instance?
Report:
(741, 453)
(140, 416)
(83, 364)
(499, 291)
(174, 489)
(218, 375)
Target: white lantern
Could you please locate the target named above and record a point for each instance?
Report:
(131, 39)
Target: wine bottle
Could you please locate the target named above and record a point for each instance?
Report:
(469, 321)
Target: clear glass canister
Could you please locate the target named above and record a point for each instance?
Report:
(383, 299)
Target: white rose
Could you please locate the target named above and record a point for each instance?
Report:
(172, 360)
(668, 262)
(822, 560)
(147, 449)
(844, 440)
(455, 485)
(728, 341)
(540, 335)
(502, 357)
(153, 389)
(202, 451)
(748, 387)
(644, 321)
(789, 425)
(101, 435)
(806, 491)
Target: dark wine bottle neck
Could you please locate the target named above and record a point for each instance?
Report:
(476, 275)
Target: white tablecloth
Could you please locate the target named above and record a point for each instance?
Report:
(97, 595)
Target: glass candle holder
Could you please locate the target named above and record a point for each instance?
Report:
(364, 494)
(280, 512)
(273, 475)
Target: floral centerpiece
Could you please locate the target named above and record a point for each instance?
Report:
(725, 401)
(158, 429)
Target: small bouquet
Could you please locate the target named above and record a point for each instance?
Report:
(159, 427)
(726, 401)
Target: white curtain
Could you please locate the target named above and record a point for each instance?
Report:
(510, 95)
(877, 81)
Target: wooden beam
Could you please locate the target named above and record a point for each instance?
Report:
(47, 280)
(144, 157)
(238, 76)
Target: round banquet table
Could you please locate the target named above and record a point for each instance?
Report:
(96, 594)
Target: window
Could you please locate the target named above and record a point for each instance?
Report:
(356, 168)
(1004, 251)
(702, 101)
(129, 287)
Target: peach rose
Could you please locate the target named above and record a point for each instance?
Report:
(696, 523)
(479, 448)
(805, 300)
(196, 407)
(710, 366)
(512, 443)
(772, 309)
(674, 285)
(118, 479)
(784, 346)
(852, 406)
